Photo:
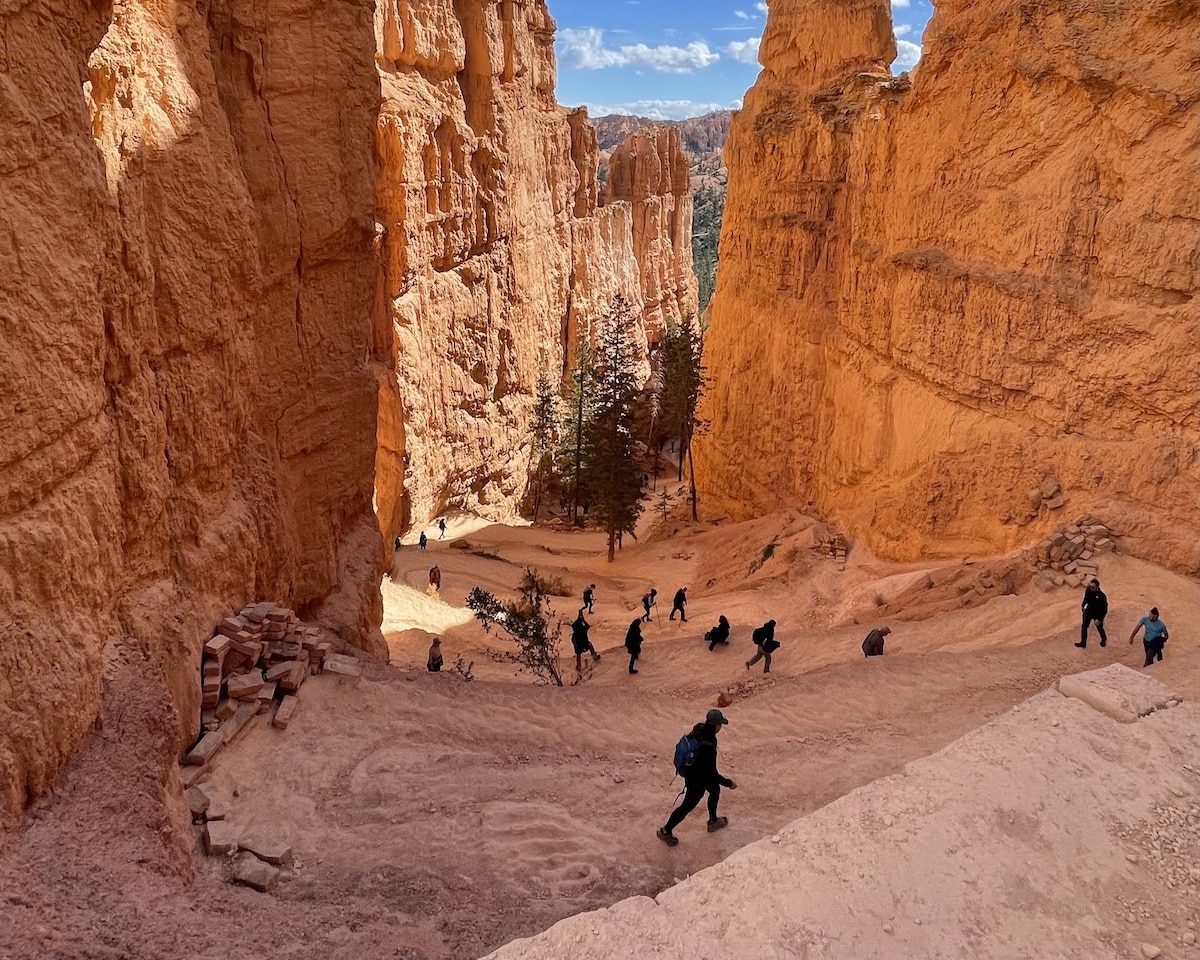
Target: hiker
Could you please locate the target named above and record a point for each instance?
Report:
(1094, 607)
(588, 596)
(648, 601)
(441, 528)
(633, 642)
(1154, 638)
(434, 663)
(700, 776)
(873, 645)
(679, 603)
(435, 577)
(580, 641)
(424, 540)
(718, 634)
(764, 639)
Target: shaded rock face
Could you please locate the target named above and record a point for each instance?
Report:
(494, 253)
(650, 171)
(937, 297)
(186, 277)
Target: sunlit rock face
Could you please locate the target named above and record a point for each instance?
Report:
(935, 297)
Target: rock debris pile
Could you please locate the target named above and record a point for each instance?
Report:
(1069, 557)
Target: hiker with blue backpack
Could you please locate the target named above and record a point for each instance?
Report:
(696, 762)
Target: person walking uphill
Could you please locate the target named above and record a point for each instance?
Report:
(678, 604)
(423, 541)
(435, 577)
(698, 760)
(764, 639)
(648, 601)
(441, 528)
(589, 595)
(1154, 638)
(1094, 607)
(872, 646)
(580, 641)
(633, 642)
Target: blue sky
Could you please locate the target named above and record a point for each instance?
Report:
(670, 59)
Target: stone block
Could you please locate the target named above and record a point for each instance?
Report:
(296, 677)
(250, 650)
(245, 685)
(231, 626)
(217, 646)
(192, 775)
(252, 872)
(1049, 488)
(285, 712)
(341, 667)
(246, 712)
(1043, 584)
(226, 709)
(197, 800)
(277, 671)
(219, 838)
(205, 750)
(278, 614)
(1118, 692)
(1055, 503)
(274, 852)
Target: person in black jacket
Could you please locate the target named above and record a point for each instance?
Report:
(702, 777)
(580, 641)
(764, 639)
(718, 634)
(633, 642)
(1094, 607)
(678, 605)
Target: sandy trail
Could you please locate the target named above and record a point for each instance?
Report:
(437, 818)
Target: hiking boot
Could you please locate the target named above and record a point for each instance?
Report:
(631, 670)
(596, 657)
(719, 824)
(1081, 645)
(666, 837)
(1104, 643)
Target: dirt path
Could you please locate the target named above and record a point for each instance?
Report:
(437, 818)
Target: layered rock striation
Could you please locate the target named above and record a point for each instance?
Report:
(495, 251)
(186, 277)
(940, 295)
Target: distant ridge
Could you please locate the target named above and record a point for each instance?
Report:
(701, 135)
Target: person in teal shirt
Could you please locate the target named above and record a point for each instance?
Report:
(1154, 638)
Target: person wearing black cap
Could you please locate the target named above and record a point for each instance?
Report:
(1094, 607)
(701, 777)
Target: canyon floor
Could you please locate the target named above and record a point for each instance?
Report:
(433, 817)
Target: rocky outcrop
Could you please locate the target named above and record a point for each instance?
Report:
(938, 294)
(186, 269)
(650, 172)
(494, 252)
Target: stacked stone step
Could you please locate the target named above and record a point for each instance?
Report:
(257, 861)
(1070, 556)
(257, 661)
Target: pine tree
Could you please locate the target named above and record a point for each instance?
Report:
(579, 403)
(543, 429)
(613, 474)
(684, 383)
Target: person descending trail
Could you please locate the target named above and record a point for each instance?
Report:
(633, 642)
(580, 641)
(441, 528)
(718, 634)
(423, 541)
(1154, 638)
(872, 646)
(434, 663)
(1094, 607)
(588, 596)
(678, 604)
(648, 601)
(764, 639)
(696, 762)
(435, 577)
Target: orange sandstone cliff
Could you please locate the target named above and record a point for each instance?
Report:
(187, 402)
(940, 299)
(494, 251)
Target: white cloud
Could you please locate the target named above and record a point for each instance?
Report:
(907, 54)
(585, 50)
(744, 51)
(760, 7)
(902, 30)
(660, 109)
(743, 15)
(901, 4)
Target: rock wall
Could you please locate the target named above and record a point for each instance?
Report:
(494, 252)
(650, 171)
(938, 297)
(186, 276)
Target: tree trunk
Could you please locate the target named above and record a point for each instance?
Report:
(578, 450)
(612, 540)
(692, 475)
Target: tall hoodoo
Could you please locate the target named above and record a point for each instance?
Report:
(936, 296)
(650, 172)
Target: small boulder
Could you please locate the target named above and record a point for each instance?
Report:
(253, 873)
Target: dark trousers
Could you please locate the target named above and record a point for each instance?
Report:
(633, 655)
(1083, 629)
(678, 609)
(1154, 649)
(588, 604)
(691, 797)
